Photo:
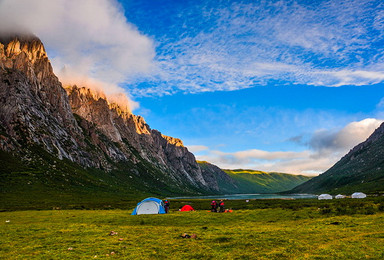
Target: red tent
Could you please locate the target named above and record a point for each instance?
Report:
(186, 208)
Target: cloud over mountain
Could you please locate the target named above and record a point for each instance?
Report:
(88, 41)
(344, 139)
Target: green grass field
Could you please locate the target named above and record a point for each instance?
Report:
(302, 229)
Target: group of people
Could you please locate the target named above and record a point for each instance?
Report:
(217, 206)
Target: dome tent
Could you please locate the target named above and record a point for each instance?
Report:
(358, 195)
(149, 206)
(187, 208)
(324, 197)
(339, 196)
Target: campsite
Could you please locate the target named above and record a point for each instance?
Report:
(259, 229)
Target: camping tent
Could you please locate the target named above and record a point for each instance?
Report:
(187, 208)
(149, 206)
(339, 196)
(358, 195)
(324, 197)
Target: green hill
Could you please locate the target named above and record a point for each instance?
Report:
(251, 181)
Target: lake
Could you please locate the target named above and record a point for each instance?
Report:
(250, 196)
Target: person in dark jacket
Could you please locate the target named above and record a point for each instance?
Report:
(221, 206)
(213, 206)
(166, 206)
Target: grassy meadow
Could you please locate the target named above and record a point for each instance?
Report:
(264, 229)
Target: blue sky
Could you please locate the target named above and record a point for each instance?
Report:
(246, 80)
(285, 86)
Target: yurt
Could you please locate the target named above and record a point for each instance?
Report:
(339, 196)
(358, 195)
(149, 206)
(324, 197)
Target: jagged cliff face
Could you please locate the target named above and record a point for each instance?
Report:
(81, 125)
(218, 179)
(34, 107)
(131, 132)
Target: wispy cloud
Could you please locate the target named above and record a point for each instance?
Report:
(239, 45)
(197, 148)
(380, 105)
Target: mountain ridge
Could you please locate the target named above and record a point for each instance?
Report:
(81, 126)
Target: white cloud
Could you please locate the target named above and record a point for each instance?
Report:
(197, 148)
(346, 138)
(91, 37)
(326, 147)
(289, 162)
(264, 155)
(349, 77)
(380, 104)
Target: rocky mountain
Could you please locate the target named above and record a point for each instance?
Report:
(217, 176)
(40, 121)
(362, 169)
(60, 144)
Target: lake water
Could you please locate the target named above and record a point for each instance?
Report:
(250, 196)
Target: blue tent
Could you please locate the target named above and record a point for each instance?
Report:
(149, 206)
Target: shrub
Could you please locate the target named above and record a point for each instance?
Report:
(342, 211)
(370, 210)
(325, 210)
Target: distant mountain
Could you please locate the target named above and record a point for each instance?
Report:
(362, 169)
(67, 141)
(224, 181)
(251, 181)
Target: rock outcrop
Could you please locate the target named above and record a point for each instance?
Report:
(131, 132)
(218, 179)
(34, 106)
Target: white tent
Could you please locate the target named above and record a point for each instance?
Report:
(358, 195)
(324, 197)
(339, 196)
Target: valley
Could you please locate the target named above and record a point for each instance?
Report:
(262, 229)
